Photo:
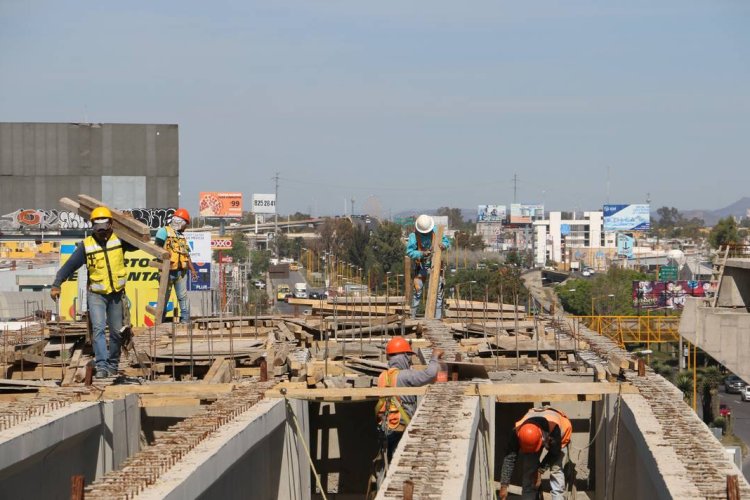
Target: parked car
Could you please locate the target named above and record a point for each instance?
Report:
(586, 273)
(318, 295)
(734, 384)
(746, 393)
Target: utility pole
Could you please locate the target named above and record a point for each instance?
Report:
(515, 187)
(276, 215)
(352, 214)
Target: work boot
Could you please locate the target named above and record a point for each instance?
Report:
(112, 372)
(101, 373)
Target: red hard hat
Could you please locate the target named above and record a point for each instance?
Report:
(398, 345)
(182, 214)
(530, 438)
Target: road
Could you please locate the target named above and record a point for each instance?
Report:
(740, 422)
(294, 277)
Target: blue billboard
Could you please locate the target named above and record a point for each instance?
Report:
(627, 218)
(203, 282)
(625, 244)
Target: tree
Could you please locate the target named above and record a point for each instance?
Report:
(724, 233)
(469, 241)
(710, 380)
(607, 294)
(385, 252)
(455, 219)
(259, 260)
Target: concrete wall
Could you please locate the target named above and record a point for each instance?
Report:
(39, 456)
(722, 333)
(257, 455)
(43, 162)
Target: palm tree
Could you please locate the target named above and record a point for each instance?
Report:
(684, 382)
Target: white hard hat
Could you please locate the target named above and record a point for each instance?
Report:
(424, 224)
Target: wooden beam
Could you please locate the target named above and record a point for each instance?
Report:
(505, 393)
(436, 269)
(408, 282)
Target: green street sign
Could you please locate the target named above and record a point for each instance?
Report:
(668, 273)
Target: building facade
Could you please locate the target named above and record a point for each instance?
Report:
(124, 165)
(568, 241)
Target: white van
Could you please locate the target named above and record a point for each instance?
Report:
(300, 290)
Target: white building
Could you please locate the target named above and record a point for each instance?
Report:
(579, 241)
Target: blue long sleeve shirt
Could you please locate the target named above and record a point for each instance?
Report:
(412, 249)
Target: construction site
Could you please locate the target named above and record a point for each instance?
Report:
(282, 405)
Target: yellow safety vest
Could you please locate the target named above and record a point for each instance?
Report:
(179, 250)
(106, 266)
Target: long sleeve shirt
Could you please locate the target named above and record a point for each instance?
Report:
(408, 377)
(412, 248)
(77, 259)
(511, 453)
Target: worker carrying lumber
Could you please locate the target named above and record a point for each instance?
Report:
(419, 250)
(172, 238)
(103, 253)
(546, 428)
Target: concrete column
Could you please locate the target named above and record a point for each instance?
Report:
(120, 432)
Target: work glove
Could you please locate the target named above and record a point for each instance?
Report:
(426, 253)
(55, 293)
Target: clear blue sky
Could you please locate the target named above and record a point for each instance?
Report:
(406, 104)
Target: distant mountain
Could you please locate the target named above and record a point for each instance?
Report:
(737, 209)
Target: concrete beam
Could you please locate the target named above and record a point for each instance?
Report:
(720, 332)
(39, 433)
(256, 455)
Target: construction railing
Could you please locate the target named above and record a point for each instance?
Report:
(634, 329)
(738, 251)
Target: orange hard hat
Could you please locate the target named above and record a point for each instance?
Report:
(182, 214)
(530, 438)
(398, 345)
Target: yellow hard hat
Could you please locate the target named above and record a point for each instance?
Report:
(101, 213)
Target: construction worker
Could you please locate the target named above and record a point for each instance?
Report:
(546, 428)
(394, 413)
(172, 238)
(103, 254)
(419, 250)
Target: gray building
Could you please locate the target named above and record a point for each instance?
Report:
(124, 165)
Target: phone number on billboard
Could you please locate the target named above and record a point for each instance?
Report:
(264, 203)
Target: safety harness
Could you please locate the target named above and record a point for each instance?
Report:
(389, 412)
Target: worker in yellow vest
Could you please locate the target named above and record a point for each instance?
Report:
(540, 428)
(103, 254)
(172, 238)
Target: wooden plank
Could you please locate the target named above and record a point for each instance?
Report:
(71, 371)
(215, 368)
(195, 389)
(436, 269)
(162, 293)
(526, 392)
(408, 283)
(89, 203)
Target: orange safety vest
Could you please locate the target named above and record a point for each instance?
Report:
(555, 418)
(389, 410)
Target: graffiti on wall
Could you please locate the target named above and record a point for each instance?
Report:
(54, 220)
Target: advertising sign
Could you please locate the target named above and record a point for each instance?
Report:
(627, 218)
(525, 214)
(221, 244)
(491, 213)
(141, 288)
(667, 273)
(625, 244)
(203, 281)
(220, 204)
(200, 246)
(669, 294)
(226, 259)
(264, 203)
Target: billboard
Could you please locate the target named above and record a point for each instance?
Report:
(221, 243)
(491, 213)
(625, 244)
(200, 246)
(141, 288)
(669, 294)
(203, 281)
(525, 214)
(264, 203)
(220, 204)
(627, 217)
